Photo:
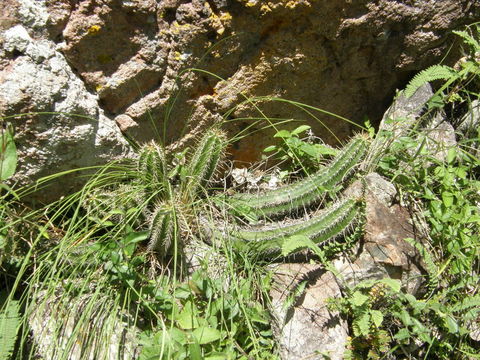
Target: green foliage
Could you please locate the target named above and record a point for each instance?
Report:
(442, 186)
(434, 72)
(202, 320)
(8, 153)
(9, 325)
(304, 153)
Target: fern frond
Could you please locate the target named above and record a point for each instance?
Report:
(435, 72)
(469, 40)
(431, 268)
(9, 324)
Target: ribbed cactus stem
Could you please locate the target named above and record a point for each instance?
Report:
(307, 191)
(205, 159)
(152, 165)
(323, 228)
(163, 229)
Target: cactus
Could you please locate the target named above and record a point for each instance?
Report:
(304, 192)
(323, 228)
(205, 160)
(152, 166)
(163, 229)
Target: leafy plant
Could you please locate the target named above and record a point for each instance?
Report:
(304, 153)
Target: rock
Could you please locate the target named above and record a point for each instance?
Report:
(60, 329)
(439, 140)
(307, 329)
(58, 123)
(405, 112)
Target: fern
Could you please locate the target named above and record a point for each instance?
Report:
(435, 72)
(431, 268)
(469, 39)
(9, 324)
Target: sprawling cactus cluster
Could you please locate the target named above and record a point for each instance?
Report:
(170, 194)
(323, 227)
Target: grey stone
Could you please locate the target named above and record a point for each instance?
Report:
(59, 125)
(307, 329)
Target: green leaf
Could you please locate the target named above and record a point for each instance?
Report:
(358, 299)
(195, 351)
(187, 319)
(377, 317)
(270, 148)
(447, 198)
(9, 324)
(300, 129)
(394, 284)
(451, 324)
(284, 134)
(451, 155)
(402, 334)
(295, 243)
(8, 154)
(362, 325)
(205, 335)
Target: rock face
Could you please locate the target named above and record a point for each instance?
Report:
(167, 69)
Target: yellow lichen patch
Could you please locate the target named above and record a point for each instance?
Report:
(98, 87)
(225, 17)
(94, 29)
(176, 27)
(265, 9)
(178, 56)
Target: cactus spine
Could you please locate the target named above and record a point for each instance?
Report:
(304, 192)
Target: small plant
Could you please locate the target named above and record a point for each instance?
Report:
(303, 153)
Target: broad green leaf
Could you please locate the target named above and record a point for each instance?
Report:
(358, 299)
(451, 155)
(187, 319)
(284, 134)
(8, 154)
(195, 351)
(377, 317)
(300, 129)
(451, 324)
(205, 335)
(447, 198)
